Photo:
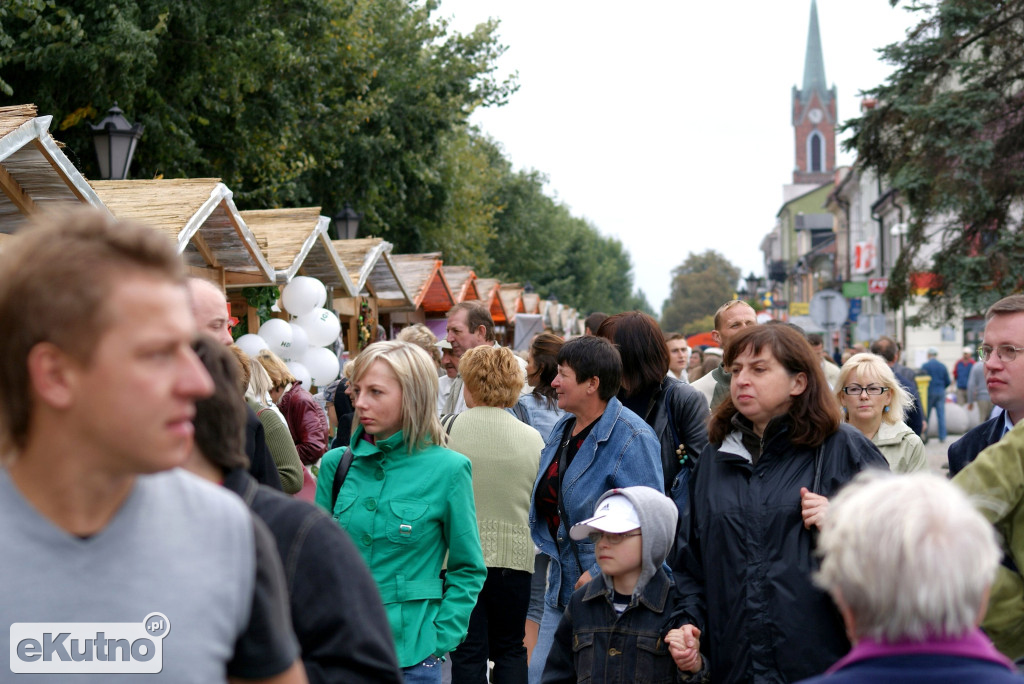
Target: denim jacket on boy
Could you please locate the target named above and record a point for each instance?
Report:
(593, 644)
(620, 451)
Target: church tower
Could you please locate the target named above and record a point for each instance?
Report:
(814, 115)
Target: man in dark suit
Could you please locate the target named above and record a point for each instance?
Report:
(1002, 352)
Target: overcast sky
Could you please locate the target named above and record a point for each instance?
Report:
(667, 123)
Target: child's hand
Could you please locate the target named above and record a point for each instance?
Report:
(684, 645)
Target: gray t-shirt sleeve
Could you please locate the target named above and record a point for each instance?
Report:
(268, 645)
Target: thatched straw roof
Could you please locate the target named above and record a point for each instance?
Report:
(200, 216)
(425, 281)
(286, 236)
(370, 264)
(462, 280)
(34, 172)
(510, 294)
(489, 289)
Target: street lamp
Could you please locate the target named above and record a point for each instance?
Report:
(752, 283)
(115, 140)
(346, 223)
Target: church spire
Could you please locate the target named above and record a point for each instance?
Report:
(814, 62)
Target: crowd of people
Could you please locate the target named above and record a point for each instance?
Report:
(594, 510)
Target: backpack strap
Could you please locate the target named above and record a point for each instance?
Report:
(339, 475)
(447, 421)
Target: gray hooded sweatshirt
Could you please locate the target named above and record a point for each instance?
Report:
(658, 516)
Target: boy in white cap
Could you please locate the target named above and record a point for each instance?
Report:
(618, 627)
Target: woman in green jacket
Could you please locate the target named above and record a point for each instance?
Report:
(407, 501)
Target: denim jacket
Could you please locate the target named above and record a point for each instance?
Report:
(620, 451)
(594, 644)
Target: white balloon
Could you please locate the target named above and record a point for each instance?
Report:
(300, 372)
(301, 295)
(251, 344)
(322, 364)
(321, 297)
(278, 335)
(300, 343)
(321, 325)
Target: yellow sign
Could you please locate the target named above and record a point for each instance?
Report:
(799, 308)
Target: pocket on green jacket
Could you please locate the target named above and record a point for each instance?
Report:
(406, 523)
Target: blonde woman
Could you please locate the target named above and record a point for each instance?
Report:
(275, 429)
(407, 502)
(875, 403)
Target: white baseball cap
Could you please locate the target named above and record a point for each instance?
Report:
(615, 514)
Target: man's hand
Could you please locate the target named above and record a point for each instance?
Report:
(813, 507)
(684, 646)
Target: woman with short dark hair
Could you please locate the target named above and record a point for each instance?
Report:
(778, 450)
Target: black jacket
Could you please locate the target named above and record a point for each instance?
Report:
(966, 449)
(746, 577)
(336, 609)
(914, 418)
(679, 417)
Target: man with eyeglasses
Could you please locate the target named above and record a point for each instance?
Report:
(1002, 353)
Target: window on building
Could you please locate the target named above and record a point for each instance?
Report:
(815, 152)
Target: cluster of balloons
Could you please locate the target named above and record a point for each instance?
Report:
(301, 343)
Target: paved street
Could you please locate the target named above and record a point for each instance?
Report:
(936, 452)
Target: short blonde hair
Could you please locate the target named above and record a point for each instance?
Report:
(244, 365)
(422, 337)
(492, 375)
(873, 368)
(417, 376)
(276, 369)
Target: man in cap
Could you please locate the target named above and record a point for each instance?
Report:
(937, 390)
(962, 374)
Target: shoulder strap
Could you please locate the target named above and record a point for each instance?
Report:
(818, 458)
(447, 421)
(339, 475)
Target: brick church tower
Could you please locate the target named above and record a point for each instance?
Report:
(814, 115)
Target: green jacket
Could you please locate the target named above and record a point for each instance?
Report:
(404, 512)
(995, 483)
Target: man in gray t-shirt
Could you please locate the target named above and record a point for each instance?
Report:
(111, 566)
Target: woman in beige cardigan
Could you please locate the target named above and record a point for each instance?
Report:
(505, 454)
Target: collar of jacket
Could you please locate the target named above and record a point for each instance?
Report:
(364, 447)
(736, 442)
(654, 594)
(243, 484)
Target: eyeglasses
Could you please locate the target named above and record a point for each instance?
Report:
(1005, 352)
(870, 390)
(613, 539)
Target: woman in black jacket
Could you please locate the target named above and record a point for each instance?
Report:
(778, 450)
(675, 411)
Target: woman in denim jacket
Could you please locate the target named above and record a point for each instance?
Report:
(598, 445)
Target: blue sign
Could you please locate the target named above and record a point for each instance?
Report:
(854, 309)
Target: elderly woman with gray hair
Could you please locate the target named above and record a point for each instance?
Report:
(909, 562)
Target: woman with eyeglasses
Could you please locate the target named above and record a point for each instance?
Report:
(778, 450)
(874, 403)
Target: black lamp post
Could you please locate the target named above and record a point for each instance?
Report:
(752, 283)
(115, 140)
(346, 223)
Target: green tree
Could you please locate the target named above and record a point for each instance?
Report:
(948, 134)
(700, 285)
(289, 102)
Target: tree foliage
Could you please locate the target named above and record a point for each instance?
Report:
(948, 134)
(315, 102)
(700, 285)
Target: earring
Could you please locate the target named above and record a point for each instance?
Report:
(885, 410)
(844, 410)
